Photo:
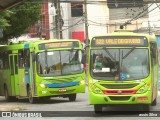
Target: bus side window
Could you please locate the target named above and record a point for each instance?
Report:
(6, 59)
(1, 60)
(20, 59)
(26, 58)
(153, 52)
(1, 63)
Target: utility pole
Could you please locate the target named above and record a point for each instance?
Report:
(149, 31)
(86, 22)
(56, 18)
(137, 26)
(86, 37)
(52, 12)
(59, 20)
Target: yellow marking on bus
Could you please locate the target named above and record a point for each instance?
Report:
(118, 41)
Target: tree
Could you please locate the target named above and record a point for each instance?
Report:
(24, 16)
(3, 22)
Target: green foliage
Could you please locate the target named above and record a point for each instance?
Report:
(4, 22)
(25, 16)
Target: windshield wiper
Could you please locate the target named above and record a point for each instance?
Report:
(123, 57)
(71, 52)
(104, 48)
(46, 62)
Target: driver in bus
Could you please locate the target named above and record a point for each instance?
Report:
(100, 61)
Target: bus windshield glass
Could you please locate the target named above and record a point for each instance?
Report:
(56, 63)
(119, 64)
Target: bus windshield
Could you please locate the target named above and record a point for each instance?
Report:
(119, 64)
(56, 63)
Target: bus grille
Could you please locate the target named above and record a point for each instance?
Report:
(119, 97)
(63, 80)
(119, 86)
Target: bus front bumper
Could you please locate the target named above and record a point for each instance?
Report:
(144, 98)
(42, 92)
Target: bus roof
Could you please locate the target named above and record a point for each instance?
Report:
(129, 33)
(34, 43)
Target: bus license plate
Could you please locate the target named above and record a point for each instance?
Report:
(62, 90)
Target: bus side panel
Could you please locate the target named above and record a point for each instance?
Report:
(22, 83)
(5, 80)
(154, 71)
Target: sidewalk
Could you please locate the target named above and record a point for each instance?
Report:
(10, 108)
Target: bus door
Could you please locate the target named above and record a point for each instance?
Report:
(13, 59)
(21, 73)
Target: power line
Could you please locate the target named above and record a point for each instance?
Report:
(149, 11)
(134, 18)
(139, 16)
(93, 2)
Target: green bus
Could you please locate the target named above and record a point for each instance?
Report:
(42, 69)
(123, 70)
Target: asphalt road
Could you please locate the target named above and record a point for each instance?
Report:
(61, 107)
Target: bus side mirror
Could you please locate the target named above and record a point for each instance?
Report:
(33, 57)
(153, 53)
(84, 56)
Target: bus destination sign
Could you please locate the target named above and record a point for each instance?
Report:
(119, 41)
(64, 44)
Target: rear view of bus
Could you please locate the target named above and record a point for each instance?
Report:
(123, 70)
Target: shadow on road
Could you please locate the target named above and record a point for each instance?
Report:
(52, 100)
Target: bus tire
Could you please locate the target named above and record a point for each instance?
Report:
(6, 94)
(154, 103)
(97, 109)
(72, 97)
(31, 99)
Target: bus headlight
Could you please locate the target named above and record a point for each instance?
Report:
(95, 81)
(42, 85)
(143, 89)
(82, 82)
(96, 90)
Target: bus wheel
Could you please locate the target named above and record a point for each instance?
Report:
(7, 97)
(72, 97)
(154, 103)
(32, 99)
(97, 109)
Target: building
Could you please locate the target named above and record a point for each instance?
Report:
(101, 19)
(42, 28)
(74, 20)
